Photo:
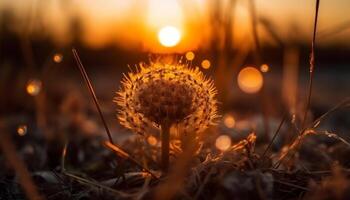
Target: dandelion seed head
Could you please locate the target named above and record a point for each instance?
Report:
(164, 100)
(161, 93)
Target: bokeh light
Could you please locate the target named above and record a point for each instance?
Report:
(250, 80)
(206, 64)
(57, 58)
(22, 130)
(152, 140)
(190, 55)
(229, 121)
(33, 87)
(223, 142)
(264, 68)
(169, 36)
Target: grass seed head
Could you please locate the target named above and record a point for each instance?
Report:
(161, 93)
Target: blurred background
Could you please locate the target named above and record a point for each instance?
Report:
(257, 52)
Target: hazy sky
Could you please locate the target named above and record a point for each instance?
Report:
(135, 23)
(289, 13)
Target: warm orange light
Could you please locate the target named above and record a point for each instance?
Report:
(264, 68)
(223, 142)
(116, 150)
(190, 55)
(33, 87)
(206, 64)
(57, 58)
(229, 121)
(152, 140)
(169, 36)
(250, 80)
(22, 130)
(243, 125)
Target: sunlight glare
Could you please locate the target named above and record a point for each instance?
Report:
(169, 36)
(223, 142)
(152, 140)
(250, 80)
(190, 55)
(264, 68)
(57, 58)
(229, 121)
(206, 64)
(22, 130)
(33, 87)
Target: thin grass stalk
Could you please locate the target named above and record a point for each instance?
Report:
(111, 146)
(91, 89)
(123, 154)
(84, 180)
(312, 65)
(274, 136)
(25, 180)
(311, 76)
(343, 104)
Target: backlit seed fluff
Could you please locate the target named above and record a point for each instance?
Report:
(161, 93)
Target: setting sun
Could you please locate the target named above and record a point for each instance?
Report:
(169, 36)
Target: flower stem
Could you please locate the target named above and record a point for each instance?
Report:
(165, 146)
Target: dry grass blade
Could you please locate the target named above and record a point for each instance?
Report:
(94, 184)
(83, 180)
(335, 136)
(312, 65)
(205, 181)
(301, 134)
(25, 180)
(274, 136)
(91, 89)
(291, 148)
(111, 144)
(117, 150)
(120, 152)
(307, 131)
(342, 104)
(292, 185)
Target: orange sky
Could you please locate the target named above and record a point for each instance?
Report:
(135, 23)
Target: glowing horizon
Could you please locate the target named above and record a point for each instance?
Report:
(135, 23)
